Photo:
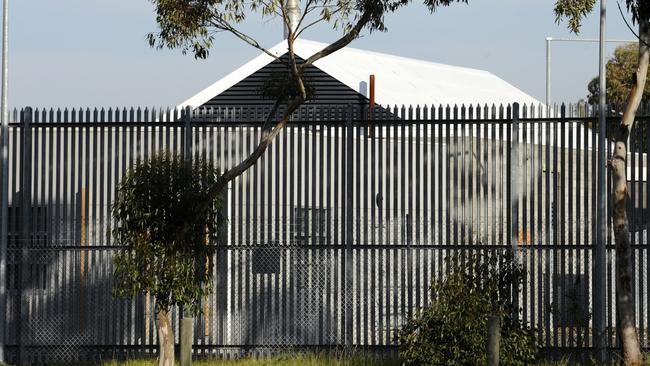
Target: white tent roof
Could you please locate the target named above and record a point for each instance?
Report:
(399, 80)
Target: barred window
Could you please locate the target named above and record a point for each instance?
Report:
(310, 223)
(570, 300)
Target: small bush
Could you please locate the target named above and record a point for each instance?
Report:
(452, 330)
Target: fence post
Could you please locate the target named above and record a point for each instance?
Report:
(4, 226)
(348, 209)
(187, 132)
(494, 338)
(25, 226)
(187, 322)
(514, 189)
(514, 183)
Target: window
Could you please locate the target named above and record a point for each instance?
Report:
(38, 222)
(311, 223)
(570, 300)
(39, 261)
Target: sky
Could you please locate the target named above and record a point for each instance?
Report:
(94, 53)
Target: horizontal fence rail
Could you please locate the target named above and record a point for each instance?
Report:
(334, 235)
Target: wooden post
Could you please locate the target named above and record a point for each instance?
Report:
(494, 338)
(187, 333)
(147, 315)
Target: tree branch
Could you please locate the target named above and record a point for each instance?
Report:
(224, 25)
(265, 140)
(316, 22)
(304, 14)
(285, 17)
(340, 43)
(291, 36)
(628, 25)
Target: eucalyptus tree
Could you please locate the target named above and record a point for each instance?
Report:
(619, 68)
(193, 26)
(574, 11)
(165, 239)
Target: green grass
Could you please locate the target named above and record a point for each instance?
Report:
(320, 359)
(645, 362)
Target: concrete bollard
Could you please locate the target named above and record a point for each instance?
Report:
(187, 337)
(494, 338)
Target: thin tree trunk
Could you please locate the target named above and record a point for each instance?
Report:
(621, 133)
(165, 339)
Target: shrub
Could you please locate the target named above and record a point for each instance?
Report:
(452, 330)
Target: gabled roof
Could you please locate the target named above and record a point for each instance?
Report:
(399, 80)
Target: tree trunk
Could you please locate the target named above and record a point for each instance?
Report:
(165, 339)
(624, 294)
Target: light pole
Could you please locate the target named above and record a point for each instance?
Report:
(600, 254)
(4, 184)
(549, 40)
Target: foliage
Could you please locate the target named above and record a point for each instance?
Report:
(166, 240)
(191, 25)
(574, 11)
(619, 69)
(452, 330)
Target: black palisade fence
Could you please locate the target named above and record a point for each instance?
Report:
(333, 236)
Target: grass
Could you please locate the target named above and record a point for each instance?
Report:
(319, 359)
(644, 362)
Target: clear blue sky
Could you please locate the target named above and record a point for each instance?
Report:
(94, 52)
